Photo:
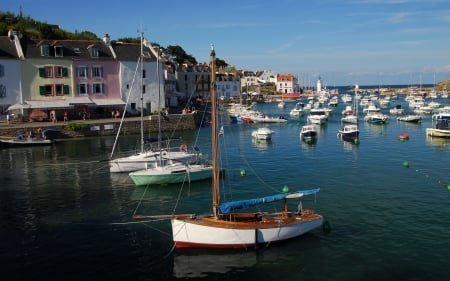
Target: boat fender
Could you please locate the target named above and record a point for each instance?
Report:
(183, 147)
(326, 227)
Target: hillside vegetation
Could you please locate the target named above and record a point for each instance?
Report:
(444, 85)
(31, 28)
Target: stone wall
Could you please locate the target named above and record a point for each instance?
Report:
(105, 127)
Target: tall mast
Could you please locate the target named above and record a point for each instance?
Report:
(214, 135)
(142, 92)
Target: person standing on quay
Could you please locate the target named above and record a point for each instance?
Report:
(53, 116)
(8, 118)
(65, 116)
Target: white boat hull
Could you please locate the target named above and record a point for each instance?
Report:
(432, 132)
(262, 134)
(195, 233)
(141, 161)
(170, 174)
(317, 119)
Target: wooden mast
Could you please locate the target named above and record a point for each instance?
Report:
(214, 136)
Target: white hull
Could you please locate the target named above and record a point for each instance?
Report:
(267, 119)
(410, 118)
(262, 134)
(317, 119)
(140, 161)
(351, 119)
(171, 173)
(195, 233)
(432, 132)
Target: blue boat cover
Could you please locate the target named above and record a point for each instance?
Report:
(228, 207)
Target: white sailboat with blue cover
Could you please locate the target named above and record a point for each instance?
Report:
(225, 227)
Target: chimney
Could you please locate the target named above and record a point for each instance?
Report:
(106, 39)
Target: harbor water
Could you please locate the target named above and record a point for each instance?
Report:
(65, 217)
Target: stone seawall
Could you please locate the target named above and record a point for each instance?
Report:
(104, 127)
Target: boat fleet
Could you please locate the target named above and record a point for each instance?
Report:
(372, 108)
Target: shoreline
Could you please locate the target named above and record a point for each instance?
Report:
(74, 129)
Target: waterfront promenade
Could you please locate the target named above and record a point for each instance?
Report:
(101, 127)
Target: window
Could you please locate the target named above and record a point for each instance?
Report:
(2, 70)
(46, 90)
(82, 72)
(48, 72)
(144, 73)
(58, 51)
(143, 89)
(82, 89)
(97, 72)
(59, 90)
(45, 50)
(58, 71)
(94, 52)
(98, 88)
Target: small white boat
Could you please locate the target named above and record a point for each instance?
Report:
(442, 130)
(308, 133)
(349, 132)
(397, 110)
(377, 118)
(268, 119)
(262, 134)
(21, 142)
(297, 110)
(318, 116)
(371, 109)
(413, 118)
(352, 119)
(46, 138)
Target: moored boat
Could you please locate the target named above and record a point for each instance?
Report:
(308, 133)
(170, 172)
(349, 132)
(262, 133)
(441, 130)
(225, 226)
(413, 118)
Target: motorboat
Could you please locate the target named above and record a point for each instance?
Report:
(308, 133)
(262, 133)
(413, 118)
(349, 132)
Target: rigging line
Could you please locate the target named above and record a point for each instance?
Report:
(124, 111)
(170, 252)
(140, 200)
(178, 197)
(244, 159)
(71, 163)
(156, 229)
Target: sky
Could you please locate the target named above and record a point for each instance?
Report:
(345, 42)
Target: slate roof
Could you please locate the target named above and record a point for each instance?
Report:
(7, 49)
(131, 51)
(75, 49)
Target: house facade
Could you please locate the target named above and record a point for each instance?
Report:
(10, 76)
(82, 77)
(287, 83)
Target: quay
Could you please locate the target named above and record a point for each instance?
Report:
(103, 127)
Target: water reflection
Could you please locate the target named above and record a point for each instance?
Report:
(442, 143)
(262, 144)
(197, 264)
